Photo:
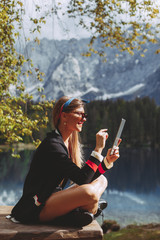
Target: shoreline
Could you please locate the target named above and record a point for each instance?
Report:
(18, 146)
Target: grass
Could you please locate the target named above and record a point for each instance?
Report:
(134, 232)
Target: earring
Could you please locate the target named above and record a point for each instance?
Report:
(65, 123)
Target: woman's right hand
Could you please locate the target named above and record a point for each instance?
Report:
(112, 158)
(101, 138)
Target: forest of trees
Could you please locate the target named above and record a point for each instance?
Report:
(142, 116)
(142, 126)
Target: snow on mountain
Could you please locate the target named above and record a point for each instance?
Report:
(130, 91)
(67, 72)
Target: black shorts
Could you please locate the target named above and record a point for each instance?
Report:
(26, 211)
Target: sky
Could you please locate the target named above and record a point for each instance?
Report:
(60, 26)
(56, 27)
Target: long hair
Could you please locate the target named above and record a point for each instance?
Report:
(74, 139)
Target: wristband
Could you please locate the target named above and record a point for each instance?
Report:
(107, 164)
(97, 155)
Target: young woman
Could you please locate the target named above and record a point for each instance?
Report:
(59, 158)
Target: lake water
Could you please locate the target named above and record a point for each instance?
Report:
(133, 192)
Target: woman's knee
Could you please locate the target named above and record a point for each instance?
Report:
(89, 193)
(103, 180)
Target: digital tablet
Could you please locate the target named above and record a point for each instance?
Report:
(118, 135)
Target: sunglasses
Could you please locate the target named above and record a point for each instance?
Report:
(83, 115)
(66, 104)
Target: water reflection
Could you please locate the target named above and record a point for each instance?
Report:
(13, 170)
(12, 174)
(128, 207)
(136, 170)
(134, 184)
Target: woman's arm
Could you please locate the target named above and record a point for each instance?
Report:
(64, 166)
(108, 161)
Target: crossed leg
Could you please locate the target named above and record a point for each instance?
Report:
(85, 196)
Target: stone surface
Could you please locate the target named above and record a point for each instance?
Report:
(13, 231)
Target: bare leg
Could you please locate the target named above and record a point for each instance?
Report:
(99, 185)
(85, 196)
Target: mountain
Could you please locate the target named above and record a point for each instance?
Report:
(67, 72)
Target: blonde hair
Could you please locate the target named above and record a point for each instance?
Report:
(74, 140)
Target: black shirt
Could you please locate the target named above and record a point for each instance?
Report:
(50, 165)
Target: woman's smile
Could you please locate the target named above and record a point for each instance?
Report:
(76, 119)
